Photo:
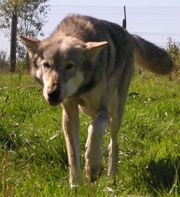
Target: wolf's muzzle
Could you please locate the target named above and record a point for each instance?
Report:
(54, 97)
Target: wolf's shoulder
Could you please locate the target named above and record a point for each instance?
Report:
(87, 28)
(80, 22)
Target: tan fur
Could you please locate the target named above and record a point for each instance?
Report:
(87, 65)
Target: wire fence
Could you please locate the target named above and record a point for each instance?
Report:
(156, 24)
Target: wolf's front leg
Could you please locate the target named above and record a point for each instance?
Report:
(71, 133)
(93, 155)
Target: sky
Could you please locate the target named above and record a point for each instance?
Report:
(155, 20)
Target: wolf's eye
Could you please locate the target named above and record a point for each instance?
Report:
(69, 66)
(46, 65)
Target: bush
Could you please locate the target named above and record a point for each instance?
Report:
(4, 63)
(174, 50)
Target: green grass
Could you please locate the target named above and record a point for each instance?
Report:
(33, 159)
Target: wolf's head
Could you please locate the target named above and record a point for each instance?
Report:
(61, 65)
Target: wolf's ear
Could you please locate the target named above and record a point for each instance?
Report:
(31, 44)
(94, 48)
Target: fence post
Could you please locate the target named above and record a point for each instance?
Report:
(124, 23)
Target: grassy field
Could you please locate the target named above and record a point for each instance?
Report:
(33, 159)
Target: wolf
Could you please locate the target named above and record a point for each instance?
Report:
(86, 65)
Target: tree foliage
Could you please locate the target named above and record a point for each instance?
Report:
(31, 16)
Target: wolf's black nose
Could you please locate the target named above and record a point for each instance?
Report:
(54, 95)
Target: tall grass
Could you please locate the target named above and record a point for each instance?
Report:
(33, 159)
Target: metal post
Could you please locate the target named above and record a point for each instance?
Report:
(124, 24)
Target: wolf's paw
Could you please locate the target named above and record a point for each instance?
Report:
(93, 172)
(74, 186)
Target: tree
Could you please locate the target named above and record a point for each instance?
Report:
(23, 17)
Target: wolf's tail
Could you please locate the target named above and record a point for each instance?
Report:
(151, 56)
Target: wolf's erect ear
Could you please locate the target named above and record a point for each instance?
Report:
(94, 48)
(31, 44)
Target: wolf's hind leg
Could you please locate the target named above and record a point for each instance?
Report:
(113, 145)
(116, 113)
(93, 154)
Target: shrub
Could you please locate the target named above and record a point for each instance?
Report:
(174, 50)
(4, 63)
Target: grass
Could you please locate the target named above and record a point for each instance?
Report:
(33, 159)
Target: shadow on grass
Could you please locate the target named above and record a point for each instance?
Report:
(34, 149)
(163, 175)
(9, 140)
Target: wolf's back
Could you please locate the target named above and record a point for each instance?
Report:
(151, 56)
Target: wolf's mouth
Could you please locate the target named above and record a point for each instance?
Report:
(54, 98)
(54, 102)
